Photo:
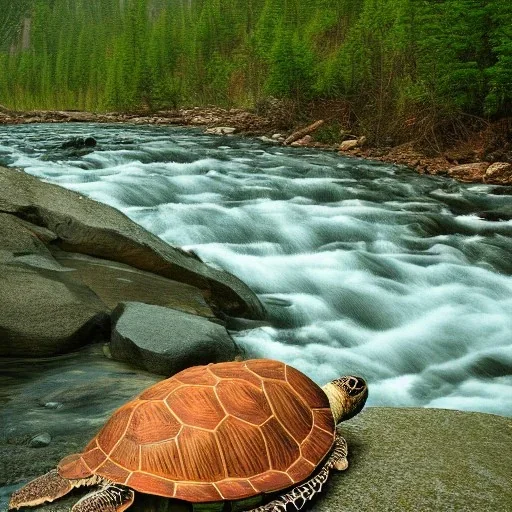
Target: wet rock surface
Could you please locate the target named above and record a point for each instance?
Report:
(166, 341)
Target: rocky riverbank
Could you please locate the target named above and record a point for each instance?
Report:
(468, 161)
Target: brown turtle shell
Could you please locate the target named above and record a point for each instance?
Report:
(210, 433)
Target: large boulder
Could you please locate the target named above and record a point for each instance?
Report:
(88, 227)
(166, 341)
(499, 173)
(43, 310)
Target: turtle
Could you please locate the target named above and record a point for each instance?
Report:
(218, 433)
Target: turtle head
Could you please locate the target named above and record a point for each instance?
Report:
(347, 396)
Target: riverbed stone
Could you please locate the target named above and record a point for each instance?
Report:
(166, 341)
(469, 173)
(499, 173)
(348, 145)
(45, 312)
(220, 130)
(88, 227)
(400, 460)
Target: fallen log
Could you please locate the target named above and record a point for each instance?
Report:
(303, 132)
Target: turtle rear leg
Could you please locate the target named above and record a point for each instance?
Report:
(302, 493)
(109, 498)
(48, 487)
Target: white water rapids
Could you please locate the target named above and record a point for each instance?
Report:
(363, 267)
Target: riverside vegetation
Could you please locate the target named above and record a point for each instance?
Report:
(393, 70)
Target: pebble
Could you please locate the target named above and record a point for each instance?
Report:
(40, 441)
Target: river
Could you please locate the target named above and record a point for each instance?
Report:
(363, 267)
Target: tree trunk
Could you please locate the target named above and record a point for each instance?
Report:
(303, 132)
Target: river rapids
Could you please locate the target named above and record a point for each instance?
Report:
(363, 267)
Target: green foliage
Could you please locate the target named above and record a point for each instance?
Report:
(399, 64)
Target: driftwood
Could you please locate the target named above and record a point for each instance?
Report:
(303, 132)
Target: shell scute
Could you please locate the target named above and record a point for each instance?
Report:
(73, 466)
(312, 395)
(289, 409)
(152, 422)
(313, 449)
(243, 448)
(93, 459)
(197, 406)
(235, 489)
(152, 484)
(162, 459)
(301, 470)
(267, 368)
(202, 461)
(116, 427)
(197, 375)
(113, 471)
(235, 371)
(283, 450)
(197, 492)
(126, 454)
(160, 390)
(244, 401)
(271, 481)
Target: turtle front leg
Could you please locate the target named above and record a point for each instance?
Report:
(301, 494)
(109, 498)
(45, 488)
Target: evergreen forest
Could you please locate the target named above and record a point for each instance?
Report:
(390, 65)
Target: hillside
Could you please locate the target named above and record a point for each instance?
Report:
(394, 70)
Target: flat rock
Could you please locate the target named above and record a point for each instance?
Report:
(85, 226)
(166, 341)
(423, 460)
(115, 282)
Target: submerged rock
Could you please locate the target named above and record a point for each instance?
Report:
(166, 341)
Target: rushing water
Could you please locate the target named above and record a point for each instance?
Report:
(363, 267)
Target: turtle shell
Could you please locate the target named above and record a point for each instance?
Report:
(210, 433)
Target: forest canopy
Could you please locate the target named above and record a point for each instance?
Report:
(401, 60)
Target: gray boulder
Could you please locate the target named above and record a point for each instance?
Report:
(166, 341)
(43, 310)
(85, 226)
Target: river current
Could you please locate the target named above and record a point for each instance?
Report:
(364, 267)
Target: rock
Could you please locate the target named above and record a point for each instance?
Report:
(116, 282)
(499, 173)
(166, 341)
(59, 314)
(79, 142)
(348, 145)
(361, 141)
(85, 226)
(423, 460)
(307, 139)
(220, 130)
(469, 173)
(278, 136)
(40, 441)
